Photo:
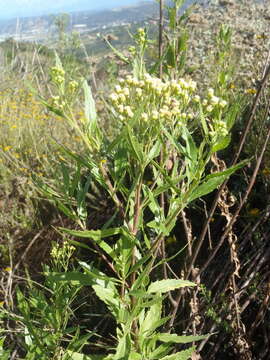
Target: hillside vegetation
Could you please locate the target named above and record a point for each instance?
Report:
(134, 192)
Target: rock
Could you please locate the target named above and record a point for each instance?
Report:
(196, 18)
(226, 3)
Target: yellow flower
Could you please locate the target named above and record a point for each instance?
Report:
(171, 240)
(261, 36)
(251, 91)
(7, 269)
(266, 171)
(254, 212)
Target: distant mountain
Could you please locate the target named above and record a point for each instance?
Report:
(26, 8)
(42, 27)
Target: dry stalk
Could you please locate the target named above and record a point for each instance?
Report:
(160, 40)
(225, 202)
(241, 204)
(250, 118)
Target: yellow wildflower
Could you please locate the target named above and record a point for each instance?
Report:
(254, 212)
(171, 240)
(266, 172)
(251, 91)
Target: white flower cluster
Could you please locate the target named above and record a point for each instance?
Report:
(153, 98)
(61, 253)
(171, 102)
(73, 85)
(57, 75)
(212, 102)
(220, 129)
(141, 36)
(58, 103)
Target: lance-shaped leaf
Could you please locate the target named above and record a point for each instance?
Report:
(213, 181)
(163, 286)
(72, 277)
(97, 236)
(71, 355)
(181, 355)
(90, 107)
(176, 339)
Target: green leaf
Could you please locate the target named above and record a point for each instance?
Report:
(135, 146)
(23, 305)
(80, 244)
(229, 171)
(97, 236)
(123, 348)
(171, 182)
(176, 339)
(181, 355)
(120, 163)
(70, 355)
(151, 320)
(58, 62)
(160, 351)
(81, 194)
(170, 55)
(143, 278)
(90, 108)
(93, 234)
(233, 113)
(27, 337)
(154, 151)
(94, 134)
(203, 122)
(134, 356)
(213, 181)
(139, 263)
(191, 148)
(97, 274)
(125, 247)
(109, 296)
(72, 276)
(207, 187)
(181, 149)
(4, 354)
(222, 144)
(163, 286)
(117, 53)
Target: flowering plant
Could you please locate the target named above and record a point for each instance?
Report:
(151, 166)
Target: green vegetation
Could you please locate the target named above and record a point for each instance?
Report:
(134, 199)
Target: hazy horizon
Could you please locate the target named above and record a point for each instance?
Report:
(24, 8)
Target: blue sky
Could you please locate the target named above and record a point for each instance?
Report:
(14, 8)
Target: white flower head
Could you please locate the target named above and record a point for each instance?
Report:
(155, 115)
(118, 88)
(197, 98)
(223, 103)
(144, 117)
(214, 100)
